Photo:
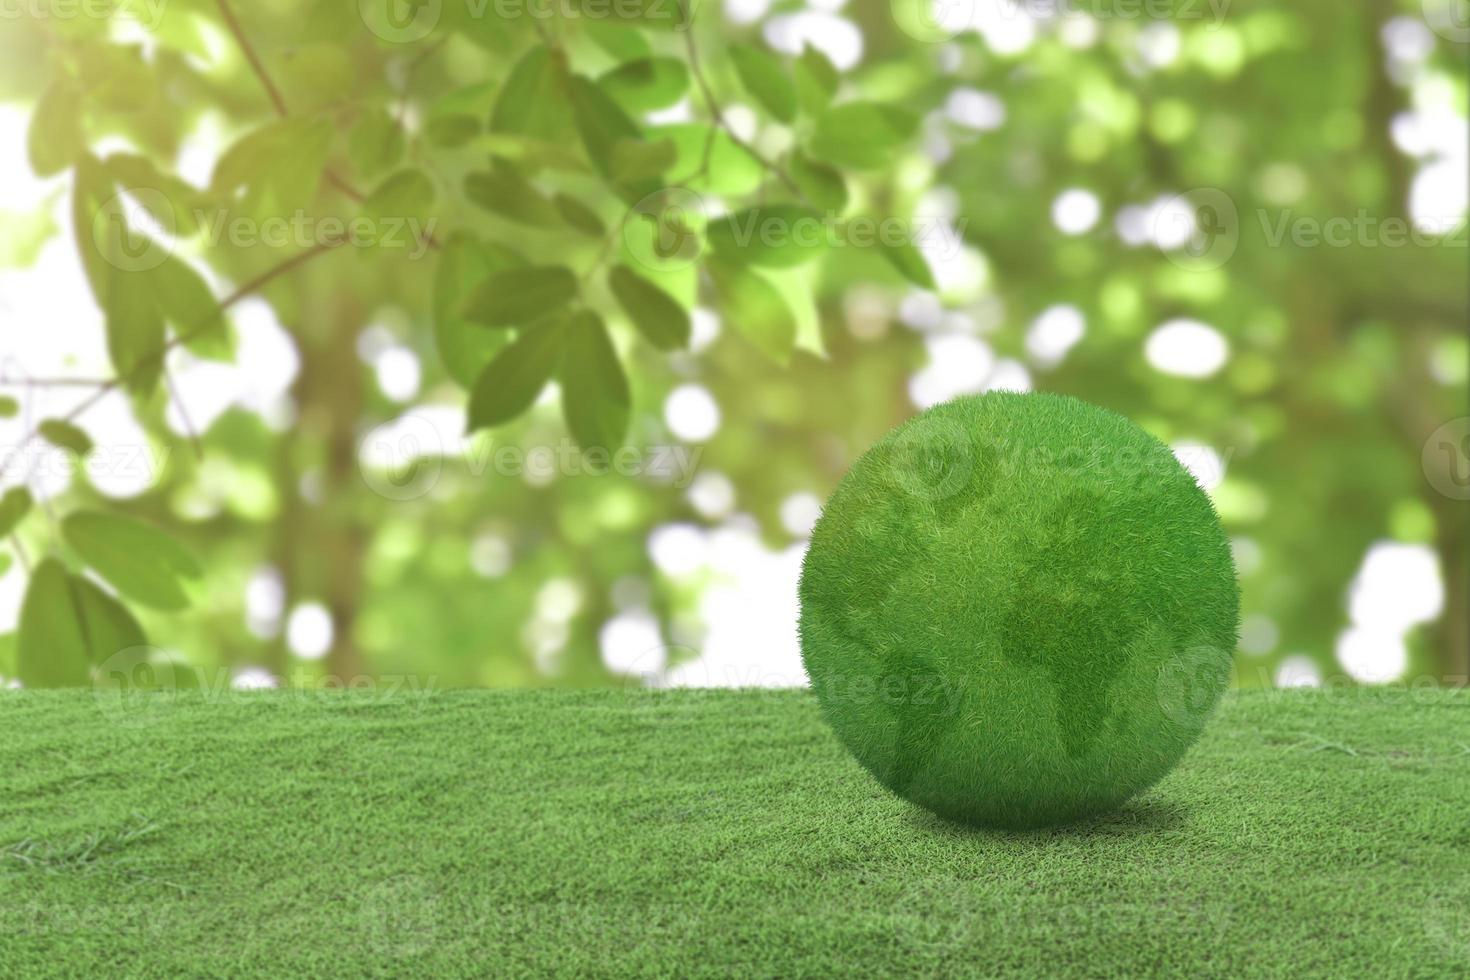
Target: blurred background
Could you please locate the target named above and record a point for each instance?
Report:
(1240, 223)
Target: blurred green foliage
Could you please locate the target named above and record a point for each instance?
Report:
(528, 223)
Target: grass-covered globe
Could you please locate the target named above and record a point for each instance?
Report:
(1018, 610)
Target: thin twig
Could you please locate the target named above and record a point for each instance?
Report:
(346, 188)
(189, 429)
(602, 253)
(9, 382)
(254, 58)
(696, 69)
(279, 102)
(20, 552)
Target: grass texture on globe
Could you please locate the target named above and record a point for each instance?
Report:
(1018, 610)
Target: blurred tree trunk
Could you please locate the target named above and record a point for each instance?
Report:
(1416, 404)
(1454, 556)
(320, 529)
(346, 538)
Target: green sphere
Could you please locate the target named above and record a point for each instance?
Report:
(1018, 610)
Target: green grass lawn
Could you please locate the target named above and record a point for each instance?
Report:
(704, 833)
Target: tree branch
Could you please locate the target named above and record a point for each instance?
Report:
(8, 382)
(112, 384)
(696, 69)
(254, 58)
(279, 102)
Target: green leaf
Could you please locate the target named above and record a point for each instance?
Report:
(530, 154)
(451, 132)
(516, 297)
(171, 202)
(117, 77)
(187, 303)
(14, 506)
(594, 397)
(796, 288)
(778, 235)
(461, 115)
(376, 142)
(656, 315)
(600, 121)
(636, 160)
(65, 435)
(317, 75)
(620, 42)
(602, 125)
(92, 217)
(647, 84)
(9, 407)
(766, 80)
(138, 560)
(135, 329)
(816, 80)
(732, 171)
(5, 562)
(52, 650)
(180, 29)
(862, 135)
(119, 264)
(822, 185)
(67, 625)
(579, 216)
(909, 261)
(55, 140)
(465, 347)
(512, 196)
(274, 170)
(533, 99)
(510, 383)
(407, 194)
(756, 309)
